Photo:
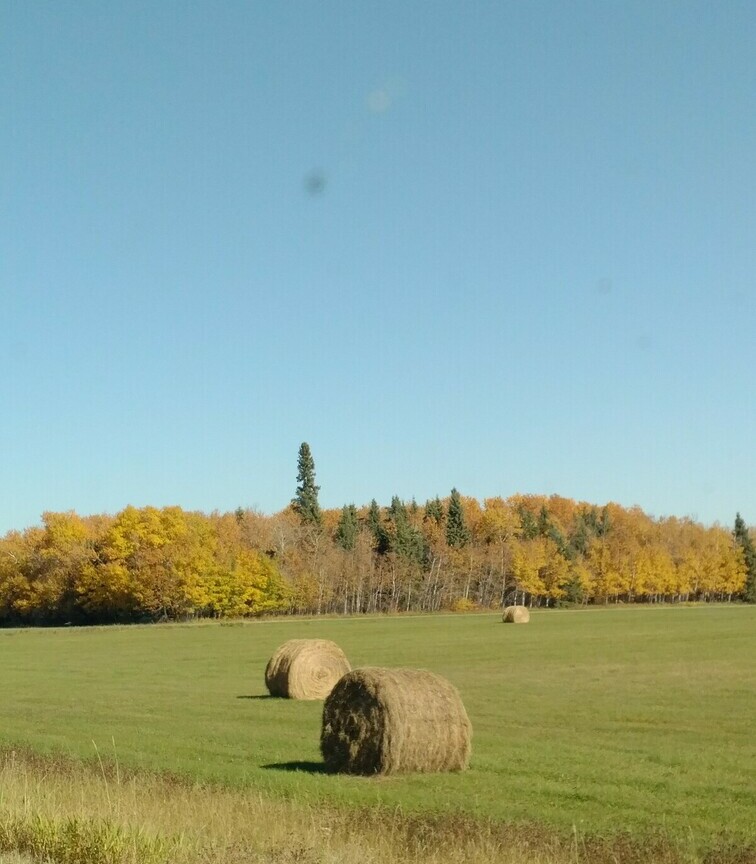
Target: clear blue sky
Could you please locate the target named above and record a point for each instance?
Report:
(507, 247)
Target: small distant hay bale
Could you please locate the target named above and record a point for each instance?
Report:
(394, 721)
(305, 669)
(516, 615)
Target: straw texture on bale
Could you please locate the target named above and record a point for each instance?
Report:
(305, 669)
(394, 721)
(516, 615)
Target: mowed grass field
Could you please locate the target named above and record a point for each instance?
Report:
(596, 721)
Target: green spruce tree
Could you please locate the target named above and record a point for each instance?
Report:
(405, 540)
(306, 501)
(580, 538)
(377, 528)
(529, 529)
(544, 522)
(348, 528)
(745, 541)
(457, 532)
(434, 510)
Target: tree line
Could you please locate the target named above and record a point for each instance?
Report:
(455, 553)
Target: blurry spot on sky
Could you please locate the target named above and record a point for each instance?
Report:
(379, 101)
(315, 183)
(382, 98)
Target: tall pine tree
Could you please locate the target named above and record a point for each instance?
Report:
(377, 529)
(406, 540)
(457, 532)
(306, 501)
(348, 528)
(745, 541)
(434, 510)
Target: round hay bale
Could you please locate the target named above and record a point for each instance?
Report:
(394, 721)
(516, 615)
(305, 669)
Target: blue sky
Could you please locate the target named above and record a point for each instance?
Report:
(507, 247)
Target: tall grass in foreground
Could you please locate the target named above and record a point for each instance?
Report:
(62, 811)
(77, 841)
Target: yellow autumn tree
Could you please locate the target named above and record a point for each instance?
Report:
(539, 569)
(16, 563)
(138, 571)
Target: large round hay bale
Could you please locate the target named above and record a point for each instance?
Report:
(516, 615)
(391, 721)
(305, 669)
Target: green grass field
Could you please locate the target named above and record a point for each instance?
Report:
(637, 720)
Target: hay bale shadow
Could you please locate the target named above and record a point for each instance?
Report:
(307, 767)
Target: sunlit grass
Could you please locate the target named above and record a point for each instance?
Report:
(597, 723)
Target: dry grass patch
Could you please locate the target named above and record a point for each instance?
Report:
(99, 815)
